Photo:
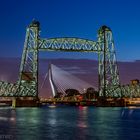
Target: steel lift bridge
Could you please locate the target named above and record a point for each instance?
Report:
(27, 83)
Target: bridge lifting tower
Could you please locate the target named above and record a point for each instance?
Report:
(28, 76)
(109, 84)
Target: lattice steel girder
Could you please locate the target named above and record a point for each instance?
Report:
(7, 89)
(68, 44)
(11, 90)
(130, 91)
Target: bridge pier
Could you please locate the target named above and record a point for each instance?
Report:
(25, 102)
(13, 102)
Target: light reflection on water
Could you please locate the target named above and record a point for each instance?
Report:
(71, 123)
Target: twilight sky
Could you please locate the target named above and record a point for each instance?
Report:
(74, 18)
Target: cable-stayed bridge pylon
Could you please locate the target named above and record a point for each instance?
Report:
(61, 80)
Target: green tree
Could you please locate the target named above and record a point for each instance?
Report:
(71, 92)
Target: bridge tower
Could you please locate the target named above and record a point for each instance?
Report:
(108, 71)
(28, 76)
(52, 84)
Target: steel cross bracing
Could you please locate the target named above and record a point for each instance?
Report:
(131, 91)
(68, 44)
(108, 70)
(27, 84)
(11, 90)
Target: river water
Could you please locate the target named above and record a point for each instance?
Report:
(70, 123)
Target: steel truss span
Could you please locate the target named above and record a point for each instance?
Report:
(27, 84)
(68, 44)
(12, 90)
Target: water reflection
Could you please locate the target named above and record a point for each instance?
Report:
(52, 121)
(71, 123)
(127, 112)
(130, 111)
(82, 117)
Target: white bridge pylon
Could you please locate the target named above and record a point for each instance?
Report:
(61, 80)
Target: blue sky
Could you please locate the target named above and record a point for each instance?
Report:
(74, 18)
